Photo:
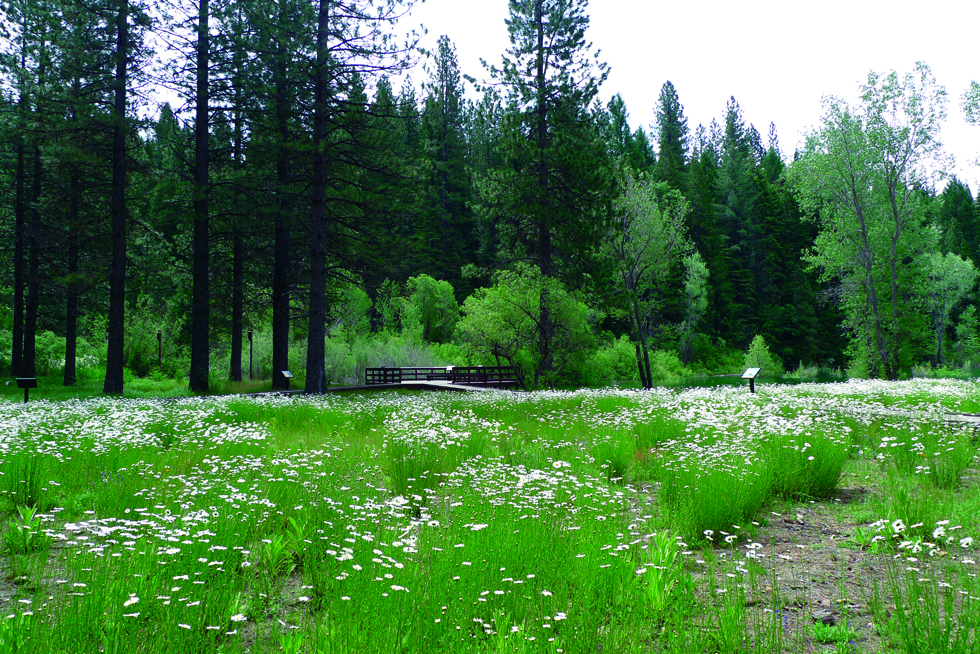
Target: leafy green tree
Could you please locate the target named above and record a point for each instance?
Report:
(435, 306)
(759, 356)
(449, 186)
(632, 149)
(502, 322)
(352, 43)
(957, 221)
(737, 196)
(859, 172)
(951, 278)
(647, 238)
(968, 337)
(695, 300)
(970, 104)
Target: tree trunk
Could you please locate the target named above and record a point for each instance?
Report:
(645, 381)
(316, 377)
(117, 267)
(872, 293)
(238, 247)
(71, 290)
(29, 364)
(280, 272)
(643, 341)
(544, 218)
(17, 355)
(200, 311)
(896, 235)
(237, 305)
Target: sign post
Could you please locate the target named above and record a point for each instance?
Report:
(751, 374)
(27, 383)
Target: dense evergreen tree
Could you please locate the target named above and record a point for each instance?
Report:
(672, 135)
(554, 191)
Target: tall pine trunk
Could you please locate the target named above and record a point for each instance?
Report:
(71, 289)
(316, 377)
(238, 250)
(200, 303)
(29, 364)
(237, 305)
(117, 267)
(545, 326)
(280, 270)
(17, 355)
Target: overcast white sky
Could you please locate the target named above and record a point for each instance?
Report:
(777, 58)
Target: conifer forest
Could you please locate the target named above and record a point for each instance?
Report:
(207, 190)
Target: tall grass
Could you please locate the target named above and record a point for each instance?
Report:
(419, 522)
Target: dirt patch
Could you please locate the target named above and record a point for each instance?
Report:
(804, 569)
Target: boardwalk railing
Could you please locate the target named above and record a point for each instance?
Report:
(486, 376)
(503, 376)
(398, 375)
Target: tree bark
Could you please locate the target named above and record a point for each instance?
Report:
(635, 328)
(117, 267)
(17, 355)
(316, 378)
(280, 272)
(544, 218)
(237, 305)
(238, 247)
(200, 311)
(71, 290)
(29, 364)
(643, 341)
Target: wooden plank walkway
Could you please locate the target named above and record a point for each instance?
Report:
(404, 386)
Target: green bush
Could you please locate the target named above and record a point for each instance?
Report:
(6, 347)
(715, 357)
(435, 307)
(665, 366)
(615, 361)
(501, 321)
(49, 351)
(759, 356)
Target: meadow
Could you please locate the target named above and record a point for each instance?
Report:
(815, 517)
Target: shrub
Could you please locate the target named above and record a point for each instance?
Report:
(759, 356)
(501, 321)
(435, 307)
(6, 346)
(716, 357)
(615, 361)
(665, 366)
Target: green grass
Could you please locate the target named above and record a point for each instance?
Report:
(51, 388)
(423, 522)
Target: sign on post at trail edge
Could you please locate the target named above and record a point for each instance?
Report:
(27, 383)
(751, 374)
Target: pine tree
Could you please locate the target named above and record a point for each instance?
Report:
(442, 126)
(555, 188)
(350, 45)
(672, 134)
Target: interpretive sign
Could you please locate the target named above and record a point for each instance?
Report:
(751, 374)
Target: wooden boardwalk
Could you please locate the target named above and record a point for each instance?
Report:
(403, 386)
